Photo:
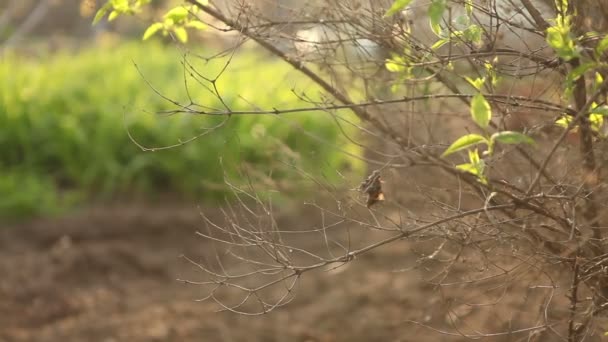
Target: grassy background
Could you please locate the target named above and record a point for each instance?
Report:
(64, 119)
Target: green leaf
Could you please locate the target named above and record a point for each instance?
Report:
(561, 5)
(481, 111)
(395, 64)
(575, 74)
(177, 14)
(113, 15)
(476, 166)
(462, 21)
(597, 82)
(470, 168)
(102, 12)
(203, 2)
(482, 179)
(397, 6)
(601, 110)
(581, 70)
(439, 43)
(474, 157)
(491, 71)
(435, 13)
(473, 34)
(394, 67)
(468, 5)
(196, 24)
(596, 117)
(181, 34)
(564, 121)
(120, 5)
(560, 39)
(476, 83)
(510, 137)
(465, 142)
(602, 46)
(151, 30)
(597, 121)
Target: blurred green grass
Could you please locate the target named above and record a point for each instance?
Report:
(64, 120)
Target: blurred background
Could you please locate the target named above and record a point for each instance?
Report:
(79, 109)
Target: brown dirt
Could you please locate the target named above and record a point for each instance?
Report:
(109, 274)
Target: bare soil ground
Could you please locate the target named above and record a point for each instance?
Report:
(110, 274)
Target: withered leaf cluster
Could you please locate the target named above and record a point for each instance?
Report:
(372, 187)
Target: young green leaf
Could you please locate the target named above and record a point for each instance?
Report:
(474, 157)
(435, 13)
(181, 34)
(195, 24)
(397, 6)
(396, 64)
(468, 167)
(560, 39)
(477, 83)
(102, 12)
(151, 30)
(468, 5)
(476, 166)
(564, 121)
(113, 15)
(177, 14)
(597, 121)
(510, 137)
(581, 70)
(120, 5)
(464, 142)
(597, 82)
(481, 111)
(482, 179)
(473, 34)
(601, 110)
(479, 164)
(439, 43)
(601, 46)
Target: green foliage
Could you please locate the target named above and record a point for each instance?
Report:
(152, 29)
(462, 29)
(435, 12)
(468, 5)
(601, 47)
(26, 194)
(564, 121)
(399, 64)
(397, 6)
(465, 142)
(596, 119)
(475, 166)
(559, 37)
(64, 120)
(574, 75)
(477, 83)
(465, 31)
(510, 137)
(174, 22)
(481, 111)
(114, 8)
